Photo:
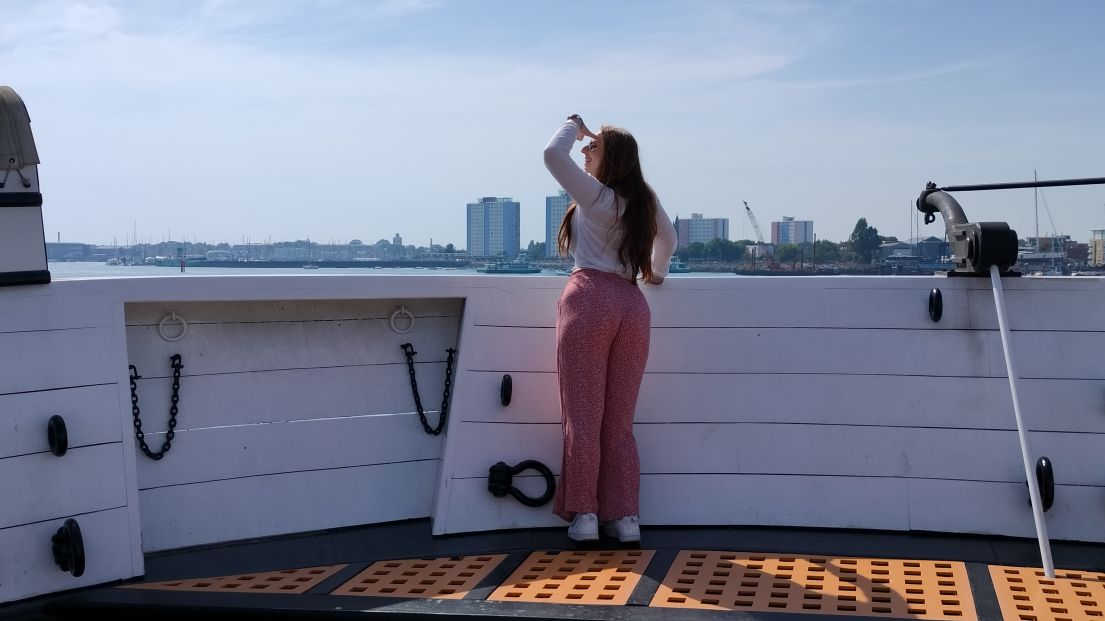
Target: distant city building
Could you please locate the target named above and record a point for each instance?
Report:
(933, 249)
(291, 253)
(791, 231)
(397, 240)
(897, 249)
(1096, 256)
(1055, 243)
(700, 230)
(494, 228)
(555, 208)
(66, 251)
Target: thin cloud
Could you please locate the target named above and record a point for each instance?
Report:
(928, 74)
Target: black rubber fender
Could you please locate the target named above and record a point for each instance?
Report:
(506, 389)
(1045, 478)
(68, 548)
(936, 305)
(57, 435)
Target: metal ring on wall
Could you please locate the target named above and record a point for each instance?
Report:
(402, 310)
(175, 318)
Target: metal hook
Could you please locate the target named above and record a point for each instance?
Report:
(401, 311)
(172, 316)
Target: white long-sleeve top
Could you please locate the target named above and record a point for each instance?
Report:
(596, 224)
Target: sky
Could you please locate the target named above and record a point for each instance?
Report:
(333, 120)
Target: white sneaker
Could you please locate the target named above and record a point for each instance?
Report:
(625, 530)
(584, 528)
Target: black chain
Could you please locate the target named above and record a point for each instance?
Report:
(408, 349)
(177, 366)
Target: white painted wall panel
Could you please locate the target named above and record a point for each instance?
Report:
(1077, 459)
(840, 303)
(204, 513)
(760, 350)
(507, 443)
(269, 448)
(1076, 355)
(763, 351)
(535, 397)
(950, 454)
(41, 486)
(298, 394)
(868, 303)
(25, 310)
(822, 351)
(91, 416)
(28, 568)
(1003, 509)
(836, 450)
(280, 396)
(831, 502)
(841, 502)
(980, 403)
(57, 359)
(533, 306)
(884, 396)
(1056, 307)
(471, 507)
(866, 307)
(238, 347)
(289, 310)
(780, 307)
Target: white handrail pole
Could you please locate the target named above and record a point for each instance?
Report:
(1029, 471)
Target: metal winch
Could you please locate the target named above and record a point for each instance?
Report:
(978, 245)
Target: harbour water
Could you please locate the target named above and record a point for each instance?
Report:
(67, 270)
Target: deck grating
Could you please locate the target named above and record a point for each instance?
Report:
(444, 578)
(600, 577)
(289, 581)
(906, 589)
(1025, 594)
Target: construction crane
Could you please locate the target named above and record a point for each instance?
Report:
(755, 224)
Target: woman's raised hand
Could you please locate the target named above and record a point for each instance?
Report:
(583, 131)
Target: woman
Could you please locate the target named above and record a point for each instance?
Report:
(617, 233)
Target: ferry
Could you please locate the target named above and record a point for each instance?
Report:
(385, 446)
(676, 266)
(520, 265)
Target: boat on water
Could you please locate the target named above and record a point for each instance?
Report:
(675, 266)
(519, 265)
(310, 266)
(176, 261)
(842, 445)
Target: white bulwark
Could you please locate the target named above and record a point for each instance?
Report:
(832, 402)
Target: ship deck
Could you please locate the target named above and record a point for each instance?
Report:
(772, 574)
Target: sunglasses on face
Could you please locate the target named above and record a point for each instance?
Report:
(591, 146)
